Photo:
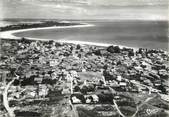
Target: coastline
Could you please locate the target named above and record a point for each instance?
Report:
(10, 35)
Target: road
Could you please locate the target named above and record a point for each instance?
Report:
(5, 95)
(75, 113)
(5, 99)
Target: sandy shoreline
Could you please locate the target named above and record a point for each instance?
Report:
(94, 43)
(10, 35)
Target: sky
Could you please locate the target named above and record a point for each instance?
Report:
(84, 9)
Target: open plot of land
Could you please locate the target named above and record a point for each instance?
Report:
(90, 76)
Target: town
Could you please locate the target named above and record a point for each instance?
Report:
(54, 79)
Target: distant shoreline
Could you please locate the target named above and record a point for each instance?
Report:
(10, 33)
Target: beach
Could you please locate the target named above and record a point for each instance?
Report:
(10, 34)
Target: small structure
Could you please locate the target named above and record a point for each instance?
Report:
(123, 84)
(95, 98)
(66, 91)
(38, 80)
(75, 100)
(119, 78)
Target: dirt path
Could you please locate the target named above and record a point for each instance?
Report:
(5, 99)
(118, 109)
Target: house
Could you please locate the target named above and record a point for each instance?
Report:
(95, 98)
(119, 78)
(155, 91)
(66, 91)
(53, 62)
(143, 89)
(88, 100)
(162, 72)
(31, 94)
(43, 90)
(38, 80)
(83, 70)
(116, 97)
(157, 83)
(28, 74)
(75, 100)
(138, 68)
(69, 78)
(122, 84)
(47, 76)
(164, 97)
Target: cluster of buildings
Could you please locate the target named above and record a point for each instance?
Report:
(88, 74)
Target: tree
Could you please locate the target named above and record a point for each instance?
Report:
(130, 53)
(50, 42)
(76, 89)
(24, 40)
(113, 49)
(57, 44)
(91, 88)
(84, 90)
(140, 51)
(97, 52)
(162, 88)
(78, 46)
(116, 49)
(101, 82)
(16, 82)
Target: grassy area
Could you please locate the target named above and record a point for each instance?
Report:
(97, 111)
(147, 110)
(158, 102)
(87, 113)
(127, 110)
